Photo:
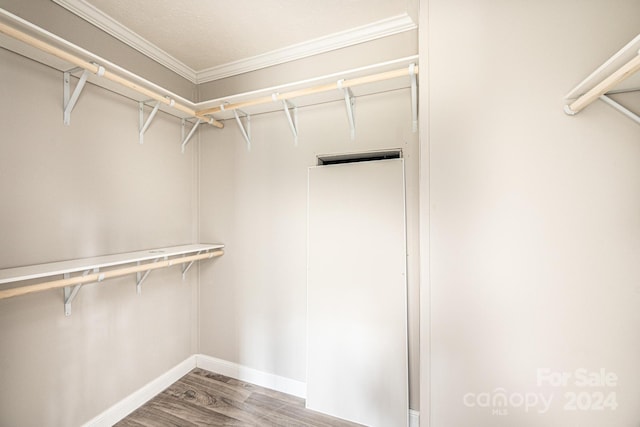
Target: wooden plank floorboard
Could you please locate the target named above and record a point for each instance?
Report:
(304, 416)
(237, 409)
(248, 387)
(193, 413)
(203, 398)
(130, 423)
(218, 383)
(208, 392)
(150, 416)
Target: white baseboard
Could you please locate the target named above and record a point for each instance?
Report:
(254, 376)
(243, 373)
(138, 398)
(414, 418)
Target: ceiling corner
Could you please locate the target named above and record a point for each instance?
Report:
(386, 27)
(104, 22)
(365, 33)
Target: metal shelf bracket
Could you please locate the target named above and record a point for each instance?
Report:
(621, 108)
(144, 124)
(414, 97)
(185, 139)
(187, 267)
(293, 122)
(350, 102)
(70, 292)
(70, 99)
(141, 277)
(246, 130)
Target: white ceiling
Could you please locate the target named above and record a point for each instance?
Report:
(205, 40)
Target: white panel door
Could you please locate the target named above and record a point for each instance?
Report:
(356, 293)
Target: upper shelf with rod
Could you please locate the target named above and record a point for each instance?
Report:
(31, 41)
(345, 85)
(619, 74)
(371, 79)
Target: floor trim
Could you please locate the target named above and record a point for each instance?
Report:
(254, 376)
(414, 418)
(138, 398)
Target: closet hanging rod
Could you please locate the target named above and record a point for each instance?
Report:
(340, 84)
(98, 277)
(97, 69)
(603, 87)
(313, 81)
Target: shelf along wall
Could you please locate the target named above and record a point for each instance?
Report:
(344, 86)
(78, 272)
(80, 66)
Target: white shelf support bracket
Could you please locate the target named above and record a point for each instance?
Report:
(621, 108)
(140, 277)
(138, 280)
(144, 124)
(414, 97)
(246, 130)
(350, 102)
(70, 293)
(185, 139)
(187, 267)
(293, 122)
(70, 99)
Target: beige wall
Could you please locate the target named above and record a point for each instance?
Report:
(253, 300)
(533, 218)
(79, 191)
(535, 226)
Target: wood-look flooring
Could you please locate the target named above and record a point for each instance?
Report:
(202, 398)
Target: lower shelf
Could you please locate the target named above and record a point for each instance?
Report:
(90, 269)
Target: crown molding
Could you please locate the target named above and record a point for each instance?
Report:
(365, 33)
(112, 27)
